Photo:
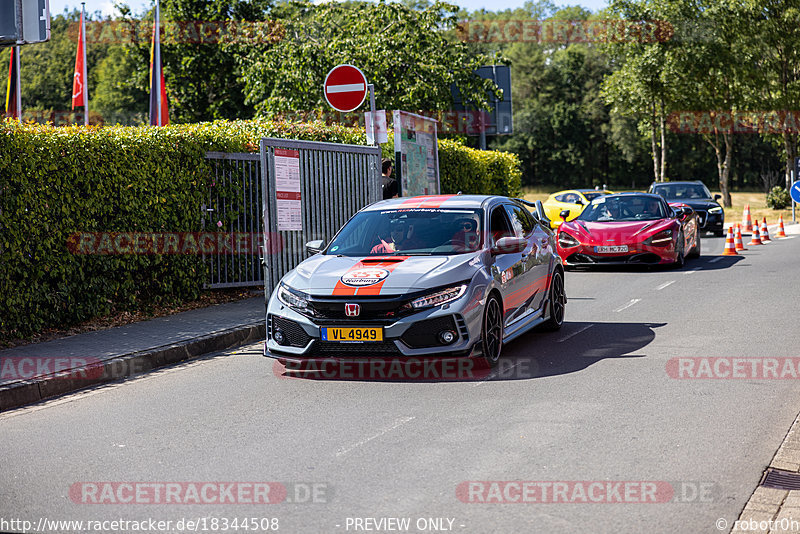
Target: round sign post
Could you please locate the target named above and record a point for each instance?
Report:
(345, 88)
(794, 192)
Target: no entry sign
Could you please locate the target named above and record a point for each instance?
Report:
(345, 88)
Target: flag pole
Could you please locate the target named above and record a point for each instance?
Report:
(157, 62)
(19, 85)
(85, 77)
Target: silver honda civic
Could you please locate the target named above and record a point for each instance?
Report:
(442, 276)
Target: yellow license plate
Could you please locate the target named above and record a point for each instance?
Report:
(346, 335)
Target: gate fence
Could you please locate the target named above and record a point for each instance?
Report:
(233, 208)
(336, 181)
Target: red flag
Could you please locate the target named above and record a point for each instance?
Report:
(79, 77)
(12, 109)
(158, 90)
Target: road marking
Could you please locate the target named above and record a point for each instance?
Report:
(628, 305)
(493, 375)
(399, 422)
(690, 272)
(665, 284)
(715, 260)
(563, 339)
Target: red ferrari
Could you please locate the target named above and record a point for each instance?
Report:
(628, 229)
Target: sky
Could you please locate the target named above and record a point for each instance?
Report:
(107, 6)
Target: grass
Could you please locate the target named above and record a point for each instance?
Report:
(757, 201)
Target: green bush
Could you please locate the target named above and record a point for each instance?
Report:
(778, 198)
(55, 182)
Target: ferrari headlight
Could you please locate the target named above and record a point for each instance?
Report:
(661, 239)
(565, 240)
(715, 210)
(438, 298)
(293, 300)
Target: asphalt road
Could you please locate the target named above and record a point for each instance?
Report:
(593, 402)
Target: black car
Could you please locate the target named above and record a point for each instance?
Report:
(696, 195)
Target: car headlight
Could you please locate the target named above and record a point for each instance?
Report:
(715, 210)
(661, 239)
(293, 300)
(442, 296)
(565, 240)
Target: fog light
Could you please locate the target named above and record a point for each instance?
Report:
(279, 337)
(447, 336)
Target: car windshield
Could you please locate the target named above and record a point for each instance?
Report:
(682, 191)
(410, 232)
(591, 195)
(627, 208)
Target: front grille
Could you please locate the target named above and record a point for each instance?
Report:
(330, 349)
(647, 258)
(426, 333)
(371, 310)
(295, 335)
(703, 217)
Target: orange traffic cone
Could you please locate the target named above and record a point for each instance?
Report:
(765, 232)
(781, 231)
(756, 239)
(747, 223)
(730, 248)
(738, 239)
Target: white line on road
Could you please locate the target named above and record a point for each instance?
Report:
(563, 339)
(628, 305)
(715, 260)
(399, 422)
(493, 375)
(665, 284)
(690, 272)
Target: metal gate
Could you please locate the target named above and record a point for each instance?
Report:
(336, 181)
(232, 213)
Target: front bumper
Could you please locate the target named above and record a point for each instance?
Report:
(412, 335)
(638, 254)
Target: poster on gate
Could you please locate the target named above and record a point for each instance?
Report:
(287, 189)
(416, 153)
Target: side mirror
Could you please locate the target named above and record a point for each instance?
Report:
(685, 211)
(541, 214)
(564, 214)
(316, 246)
(717, 197)
(509, 245)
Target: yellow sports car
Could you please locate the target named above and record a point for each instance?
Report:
(573, 200)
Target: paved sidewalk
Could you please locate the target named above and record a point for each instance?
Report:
(38, 371)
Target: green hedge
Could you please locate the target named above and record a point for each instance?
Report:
(55, 182)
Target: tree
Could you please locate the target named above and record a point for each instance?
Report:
(406, 53)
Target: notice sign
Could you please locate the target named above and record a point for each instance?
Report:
(287, 189)
(416, 148)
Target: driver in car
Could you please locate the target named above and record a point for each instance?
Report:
(651, 208)
(466, 234)
(401, 237)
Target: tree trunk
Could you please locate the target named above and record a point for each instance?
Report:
(790, 145)
(654, 144)
(663, 144)
(726, 171)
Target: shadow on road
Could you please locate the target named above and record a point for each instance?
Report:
(534, 355)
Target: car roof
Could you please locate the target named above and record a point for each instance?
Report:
(635, 194)
(435, 201)
(685, 182)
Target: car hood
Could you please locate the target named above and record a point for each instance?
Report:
(600, 233)
(328, 275)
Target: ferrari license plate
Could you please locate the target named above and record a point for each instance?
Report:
(352, 335)
(611, 250)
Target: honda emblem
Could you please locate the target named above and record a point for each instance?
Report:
(352, 310)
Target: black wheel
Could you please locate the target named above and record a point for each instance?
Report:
(492, 331)
(695, 253)
(558, 303)
(680, 258)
